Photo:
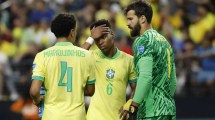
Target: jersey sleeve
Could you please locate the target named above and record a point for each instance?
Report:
(38, 68)
(91, 78)
(143, 47)
(132, 73)
(143, 60)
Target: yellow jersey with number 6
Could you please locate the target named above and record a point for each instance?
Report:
(65, 70)
(112, 78)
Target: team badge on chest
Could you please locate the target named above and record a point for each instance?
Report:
(110, 73)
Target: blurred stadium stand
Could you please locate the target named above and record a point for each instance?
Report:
(189, 26)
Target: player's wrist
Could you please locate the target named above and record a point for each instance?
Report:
(90, 40)
(134, 104)
(133, 107)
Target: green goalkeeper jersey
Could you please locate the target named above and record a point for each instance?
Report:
(159, 99)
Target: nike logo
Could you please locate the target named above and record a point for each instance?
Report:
(97, 61)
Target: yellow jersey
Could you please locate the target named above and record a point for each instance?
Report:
(64, 70)
(112, 77)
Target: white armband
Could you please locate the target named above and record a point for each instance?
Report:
(90, 40)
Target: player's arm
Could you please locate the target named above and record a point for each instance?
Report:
(90, 85)
(126, 107)
(132, 78)
(35, 91)
(132, 81)
(144, 63)
(133, 87)
(89, 89)
(96, 32)
(37, 79)
(144, 82)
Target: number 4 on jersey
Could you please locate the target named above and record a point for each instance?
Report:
(66, 70)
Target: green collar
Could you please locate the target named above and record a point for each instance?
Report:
(114, 57)
(151, 29)
(63, 44)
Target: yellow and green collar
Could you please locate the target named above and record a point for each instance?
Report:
(63, 44)
(110, 58)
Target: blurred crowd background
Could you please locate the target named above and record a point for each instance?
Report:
(189, 26)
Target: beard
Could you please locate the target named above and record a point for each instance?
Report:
(136, 30)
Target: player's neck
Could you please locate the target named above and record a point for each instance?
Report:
(144, 28)
(62, 39)
(111, 53)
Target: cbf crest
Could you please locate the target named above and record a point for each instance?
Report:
(110, 73)
(141, 49)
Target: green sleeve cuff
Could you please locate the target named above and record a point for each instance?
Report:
(132, 81)
(91, 82)
(38, 78)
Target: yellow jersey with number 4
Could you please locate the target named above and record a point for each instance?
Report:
(112, 77)
(65, 70)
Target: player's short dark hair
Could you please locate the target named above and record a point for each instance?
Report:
(100, 22)
(141, 8)
(62, 24)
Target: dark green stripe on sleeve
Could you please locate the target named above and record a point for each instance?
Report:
(91, 82)
(38, 78)
(132, 81)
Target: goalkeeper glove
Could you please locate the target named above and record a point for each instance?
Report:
(128, 111)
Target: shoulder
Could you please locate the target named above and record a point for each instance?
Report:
(141, 43)
(41, 53)
(47, 49)
(126, 55)
(144, 39)
(127, 58)
(81, 49)
(94, 52)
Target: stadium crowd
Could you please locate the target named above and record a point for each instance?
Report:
(189, 25)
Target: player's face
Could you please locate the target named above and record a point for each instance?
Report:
(133, 23)
(105, 42)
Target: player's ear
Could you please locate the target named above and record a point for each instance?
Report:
(112, 33)
(72, 33)
(142, 19)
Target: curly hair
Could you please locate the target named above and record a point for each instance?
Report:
(62, 24)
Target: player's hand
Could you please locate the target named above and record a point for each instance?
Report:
(97, 32)
(42, 97)
(124, 115)
(128, 111)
